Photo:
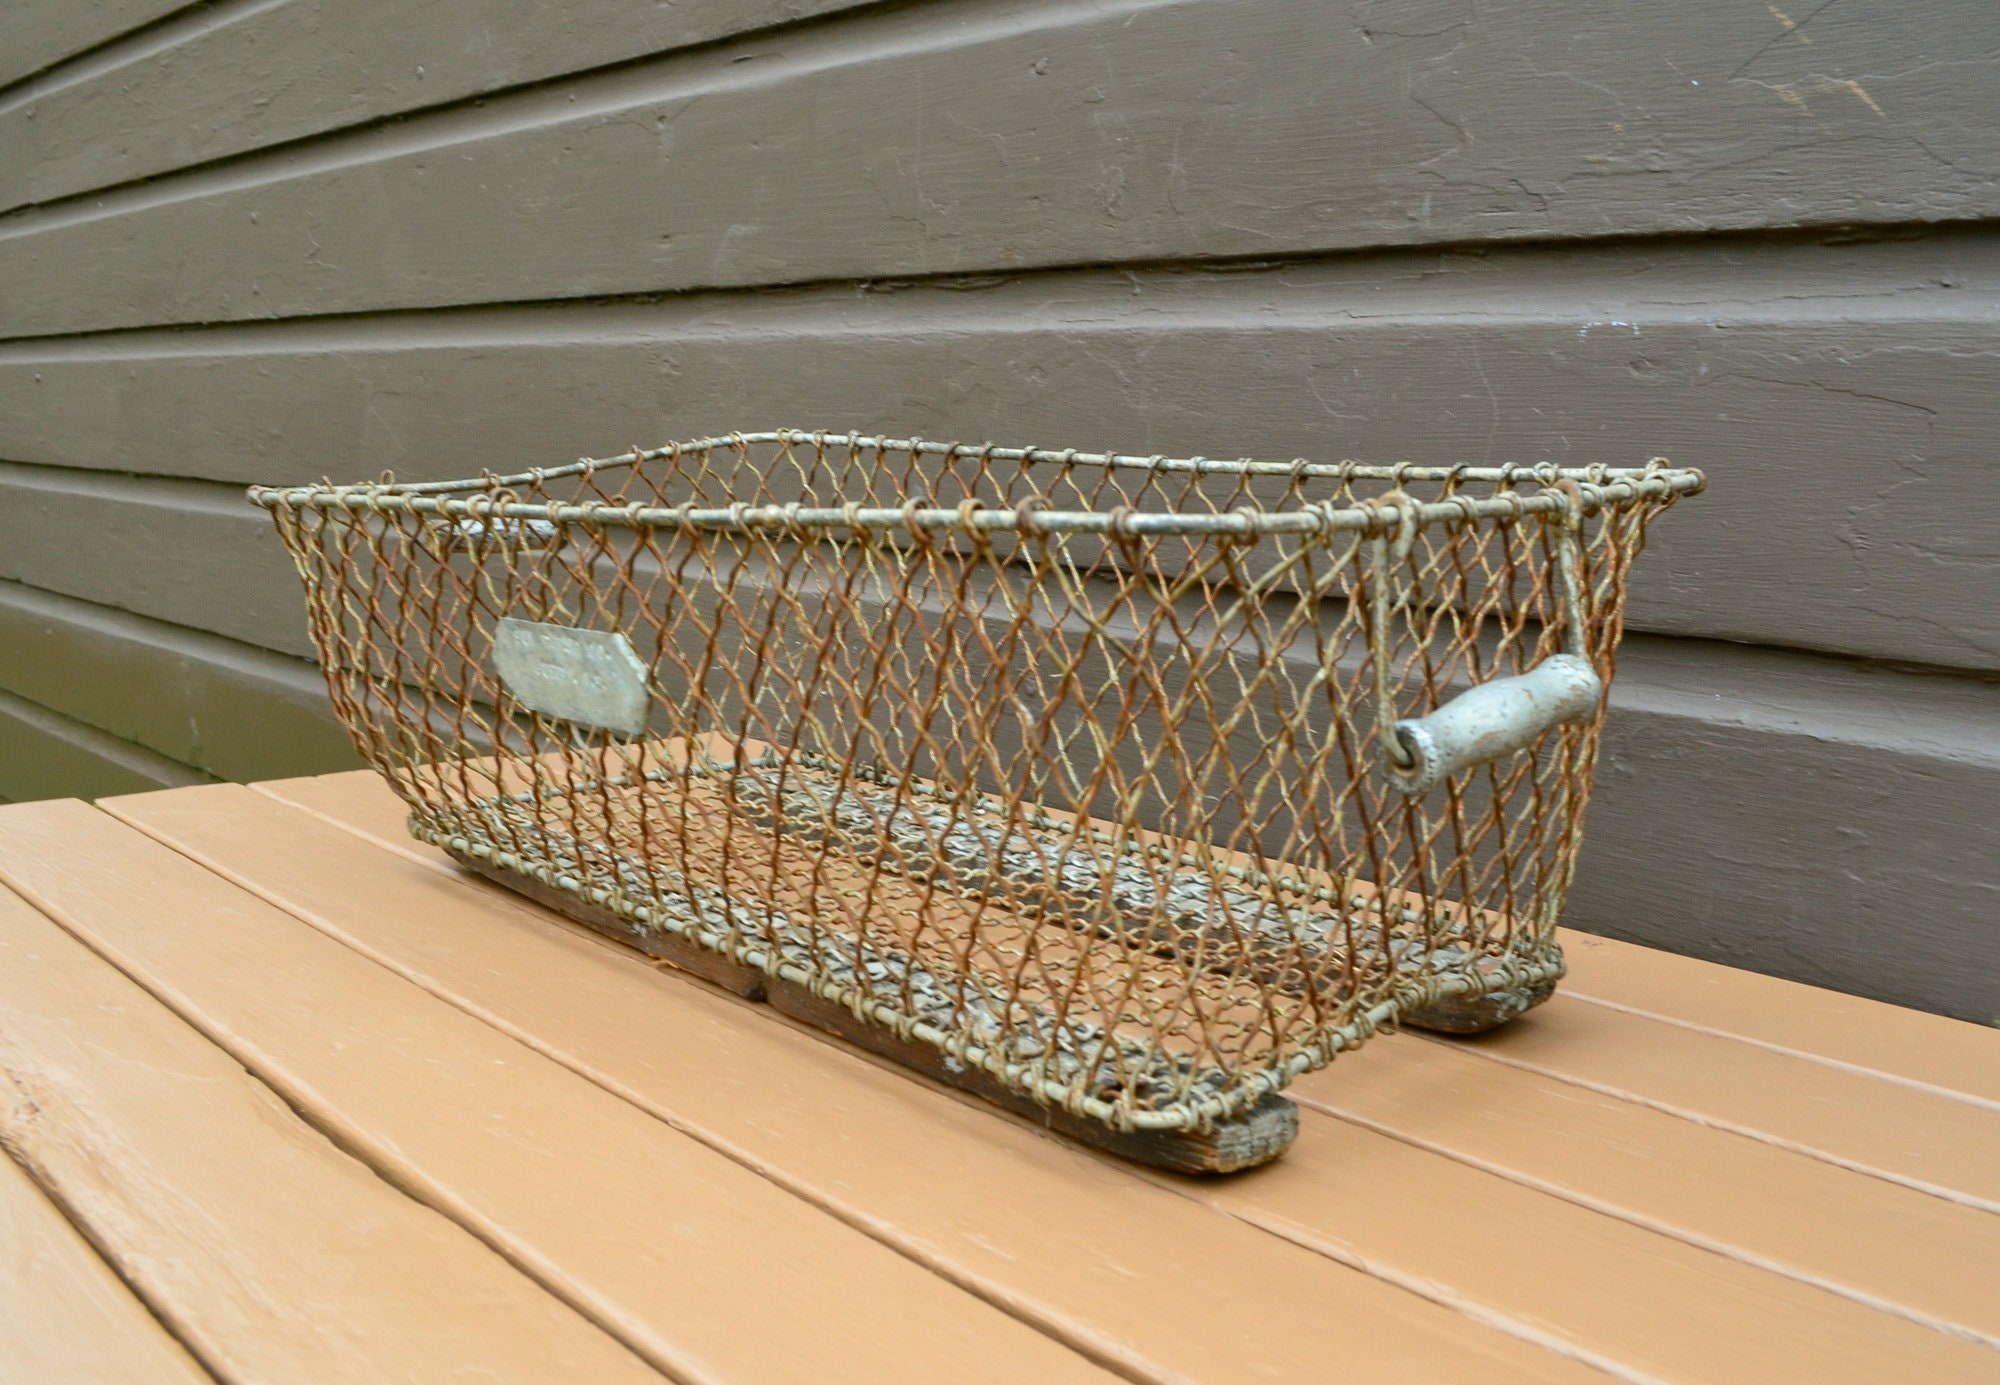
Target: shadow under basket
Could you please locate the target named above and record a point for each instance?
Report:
(1116, 790)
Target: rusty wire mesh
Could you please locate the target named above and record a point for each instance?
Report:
(1063, 764)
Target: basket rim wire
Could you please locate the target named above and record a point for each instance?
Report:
(1598, 487)
(1562, 495)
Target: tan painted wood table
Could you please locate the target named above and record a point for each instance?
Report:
(289, 1097)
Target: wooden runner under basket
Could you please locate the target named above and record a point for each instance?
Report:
(1119, 790)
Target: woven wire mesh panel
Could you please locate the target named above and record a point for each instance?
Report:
(1068, 766)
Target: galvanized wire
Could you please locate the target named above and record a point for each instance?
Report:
(1066, 764)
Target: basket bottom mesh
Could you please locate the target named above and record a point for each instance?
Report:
(1100, 975)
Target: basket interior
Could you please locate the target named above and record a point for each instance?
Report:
(1097, 812)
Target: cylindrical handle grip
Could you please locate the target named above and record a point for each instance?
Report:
(1492, 720)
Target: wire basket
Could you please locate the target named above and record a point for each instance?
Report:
(1120, 789)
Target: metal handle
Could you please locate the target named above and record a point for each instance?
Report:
(1495, 718)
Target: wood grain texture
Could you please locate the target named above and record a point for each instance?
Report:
(1905, 1045)
(655, 1246)
(254, 74)
(271, 1254)
(44, 754)
(229, 709)
(1802, 378)
(64, 1315)
(981, 137)
(36, 36)
(855, 1136)
(1858, 1235)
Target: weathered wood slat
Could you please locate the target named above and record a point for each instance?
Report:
(969, 138)
(1786, 814)
(266, 74)
(706, 1269)
(273, 1255)
(64, 1315)
(857, 1136)
(1246, 1141)
(1799, 378)
(33, 37)
(1861, 1235)
(1948, 1055)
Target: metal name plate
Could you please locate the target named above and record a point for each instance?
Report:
(593, 677)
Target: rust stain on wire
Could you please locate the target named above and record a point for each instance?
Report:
(1078, 768)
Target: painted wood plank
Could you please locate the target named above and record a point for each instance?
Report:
(270, 1253)
(44, 754)
(1001, 135)
(706, 1269)
(187, 552)
(1589, 1286)
(1859, 1235)
(39, 35)
(241, 76)
(1071, 1237)
(1946, 1055)
(1798, 377)
(1850, 1118)
(1597, 1284)
(1744, 1198)
(1783, 814)
(227, 708)
(64, 1315)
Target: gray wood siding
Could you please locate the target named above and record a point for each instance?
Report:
(269, 240)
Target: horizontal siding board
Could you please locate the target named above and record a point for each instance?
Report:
(36, 34)
(1838, 398)
(191, 553)
(975, 138)
(44, 754)
(226, 708)
(1802, 818)
(266, 74)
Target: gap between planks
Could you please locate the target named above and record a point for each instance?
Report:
(156, 814)
(358, 802)
(269, 1252)
(64, 1312)
(1928, 1053)
(1934, 1141)
(1151, 1249)
(1946, 1156)
(676, 1274)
